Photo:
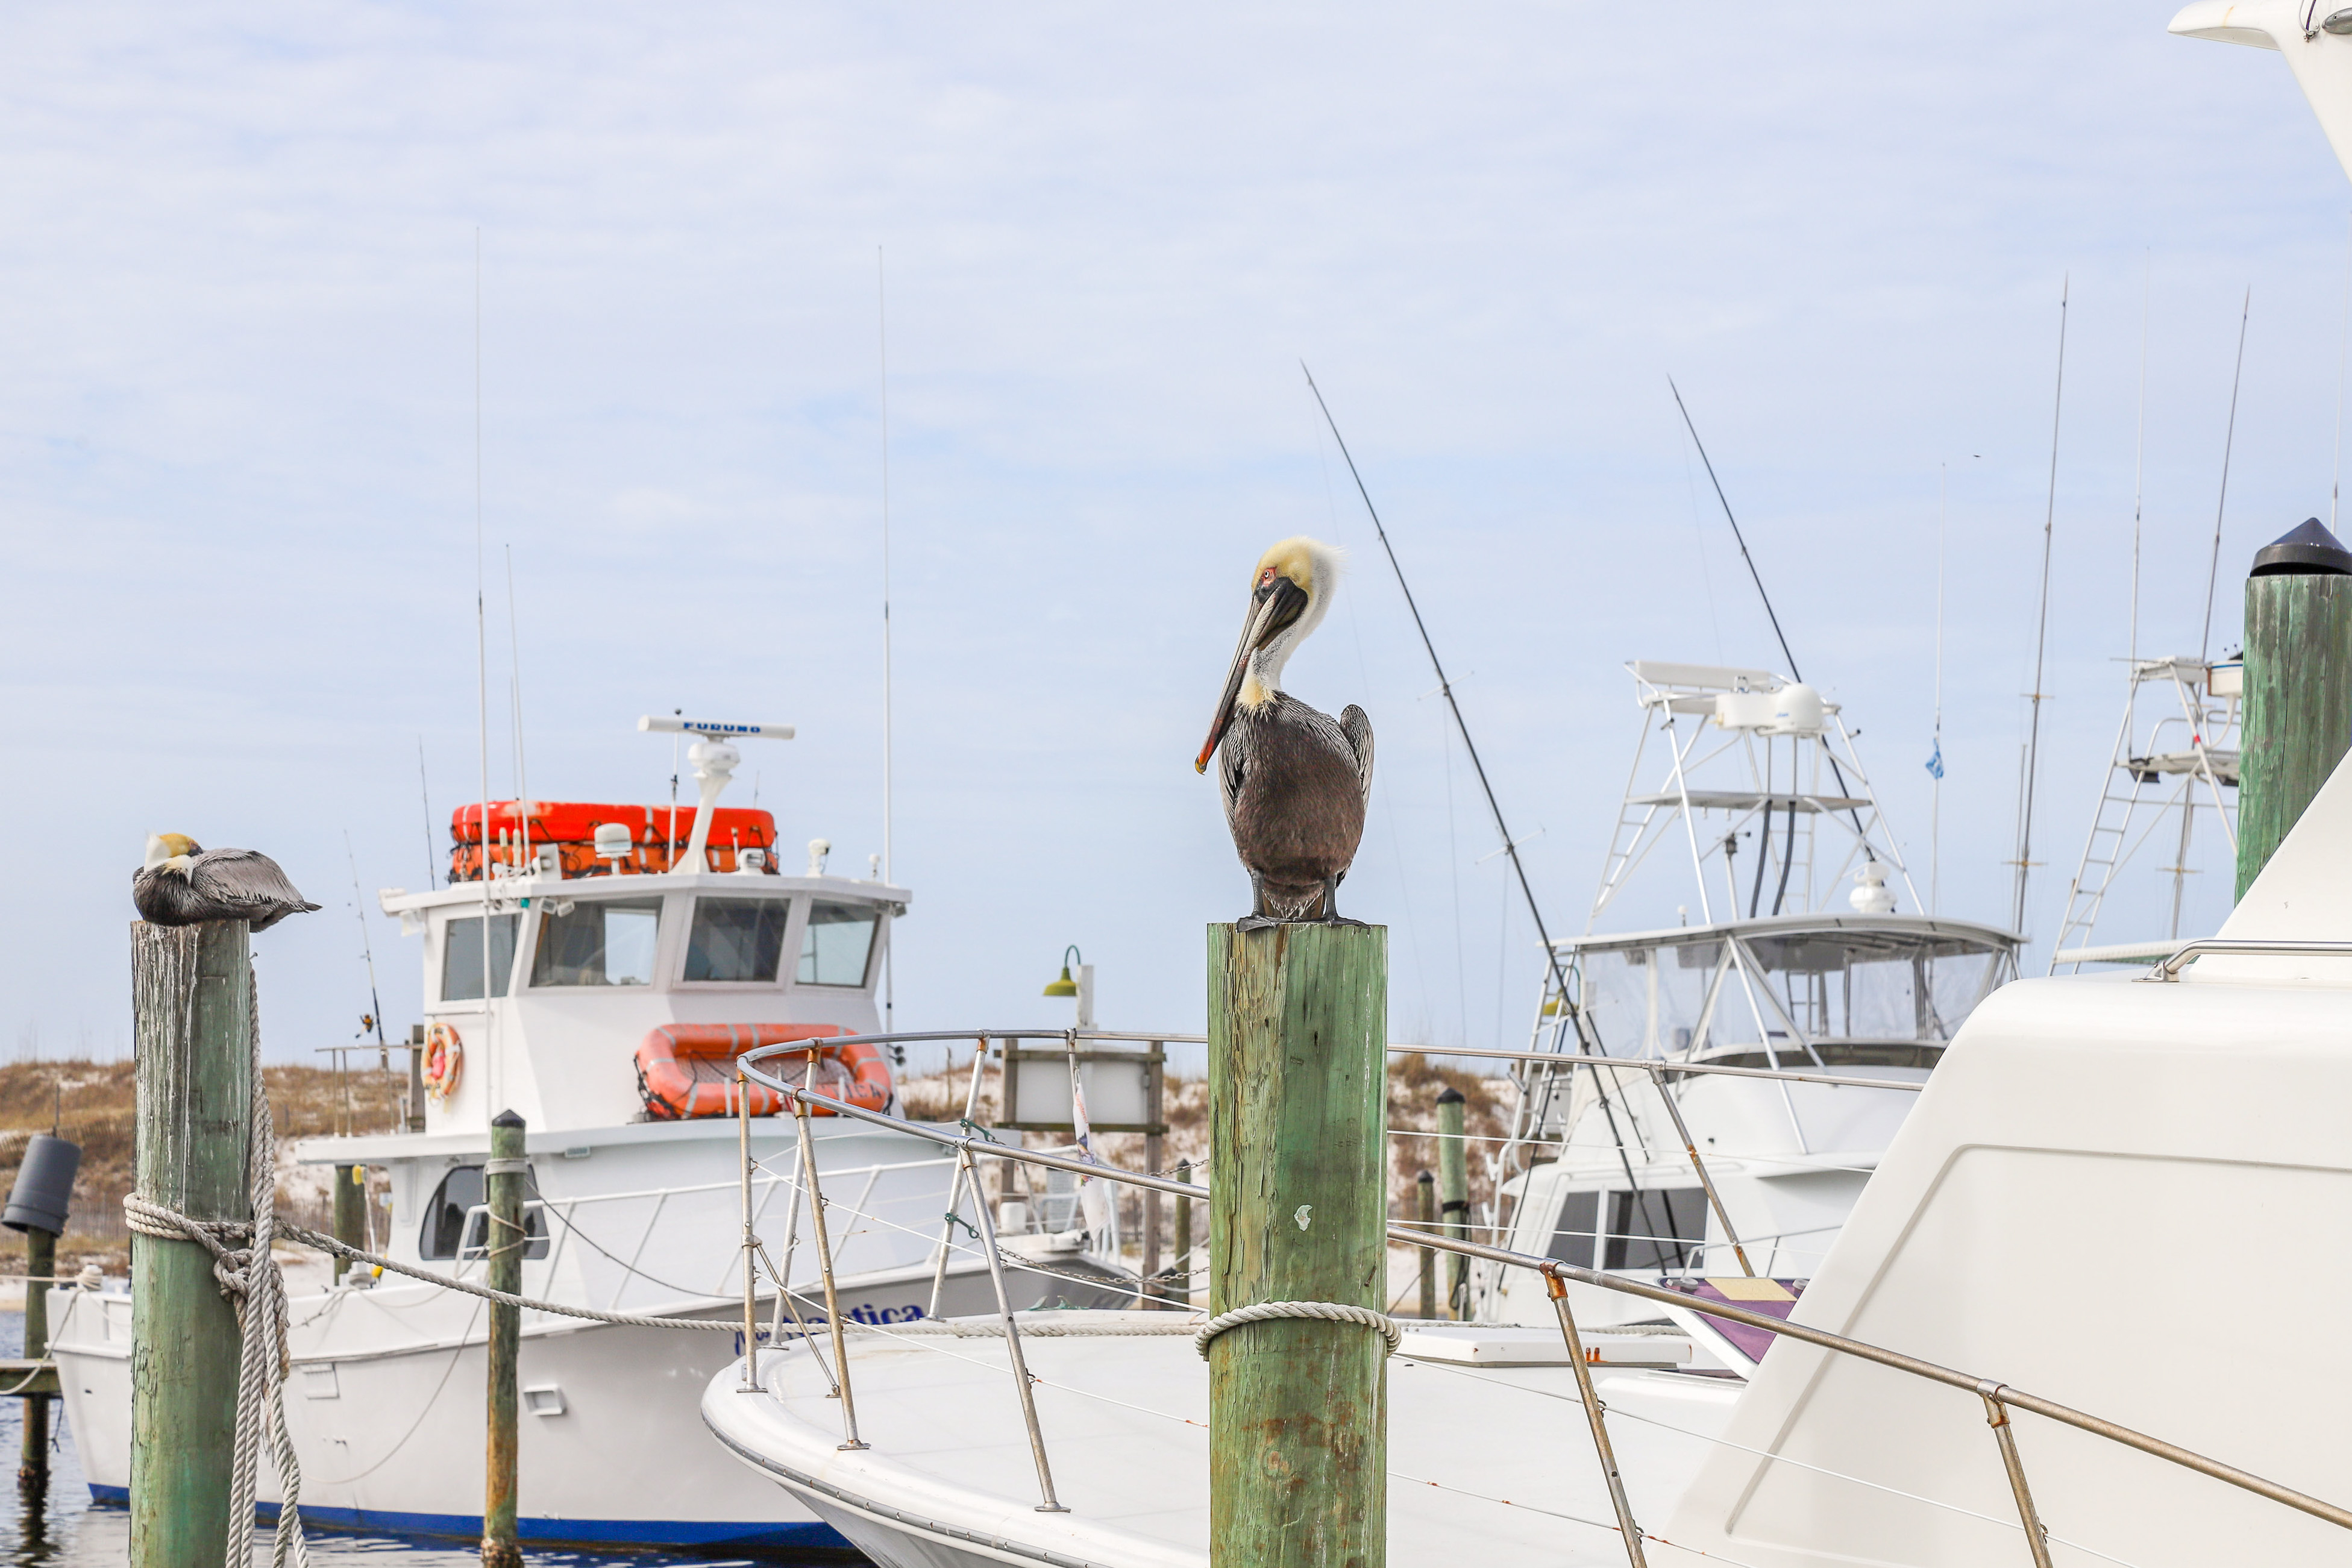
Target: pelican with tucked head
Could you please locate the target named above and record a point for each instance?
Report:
(1294, 779)
(183, 883)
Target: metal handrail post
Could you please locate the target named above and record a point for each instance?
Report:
(1595, 1415)
(1682, 1130)
(751, 1239)
(825, 1260)
(1997, 1412)
(955, 1182)
(1021, 1378)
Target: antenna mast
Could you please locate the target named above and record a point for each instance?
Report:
(882, 358)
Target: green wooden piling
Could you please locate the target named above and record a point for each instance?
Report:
(1298, 1212)
(40, 1267)
(192, 1017)
(1427, 1185)
(1179, 1290)
(507, 1179)
(350, 1213)
(2298, 687)
(1454, 1174)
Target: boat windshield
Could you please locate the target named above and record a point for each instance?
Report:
(1778, 989)
(596, 941)
(839, 940)
(737, 939)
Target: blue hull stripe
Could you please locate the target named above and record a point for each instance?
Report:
(552, 1531)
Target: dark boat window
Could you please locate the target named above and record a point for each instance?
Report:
(461, 957)
(737, 939)
(1571, 1237)
(455, 1201)
(839, 940)
(1658, 1228)
(596, 941)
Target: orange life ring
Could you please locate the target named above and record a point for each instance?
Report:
(687, 1070)
(444, 1060)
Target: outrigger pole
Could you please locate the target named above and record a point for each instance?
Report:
(1510, 845)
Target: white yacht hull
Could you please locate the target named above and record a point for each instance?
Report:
(390, 1435)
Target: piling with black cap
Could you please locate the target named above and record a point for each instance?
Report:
(2297, 722)
(37, 1206)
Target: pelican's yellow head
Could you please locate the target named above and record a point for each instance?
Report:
(1290, 591)
(173, 849)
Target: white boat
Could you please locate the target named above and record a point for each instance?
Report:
(1967, 1391)
(621, 943)
(1803, 956)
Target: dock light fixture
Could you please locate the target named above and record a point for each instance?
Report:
(2340, 24)
(1066, 987)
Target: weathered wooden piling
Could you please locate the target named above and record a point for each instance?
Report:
(1454, 1175)
(1179, 1290)
(1426, 1186)
(507, 1177)
(2298, 685)
(1298, 1212)
(39, 1204)
(40, 1267)
(350, 1213)
(192, 1017)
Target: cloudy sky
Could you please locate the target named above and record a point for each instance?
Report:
(238, 461)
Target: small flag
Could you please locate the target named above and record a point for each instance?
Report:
(1935, 764)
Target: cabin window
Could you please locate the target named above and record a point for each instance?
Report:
(840, 940)
(737, 939)
(1658, 1228)
(1572, 1233)
(456, 1223)
(596, 941)
(461, 957)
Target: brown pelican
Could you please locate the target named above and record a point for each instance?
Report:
(1294, 779)
(183, 882)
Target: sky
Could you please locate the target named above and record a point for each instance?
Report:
(256, 262)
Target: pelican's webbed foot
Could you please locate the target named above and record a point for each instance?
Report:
(1256, 922)
(1331, 915)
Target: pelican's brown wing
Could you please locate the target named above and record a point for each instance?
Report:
(1357, 725)
(245, 884)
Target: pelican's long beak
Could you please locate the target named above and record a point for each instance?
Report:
(1277, 605)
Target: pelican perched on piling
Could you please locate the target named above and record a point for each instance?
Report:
(183, 883)
(1294, 779)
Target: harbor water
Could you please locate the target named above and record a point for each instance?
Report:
(67, 1531)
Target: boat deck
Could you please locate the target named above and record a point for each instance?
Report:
(1489, 1464)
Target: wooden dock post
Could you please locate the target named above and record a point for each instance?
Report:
(39, 1205)
(2298, 685)
(192, 1017)
(350, 1213)
(40, 1269)
(1454, 1175)
(1298, 1212)
(507, 1177)
(1427, 1187)
(1179, 1288)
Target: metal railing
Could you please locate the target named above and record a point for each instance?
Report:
(1999, 1398)
(2168, 971)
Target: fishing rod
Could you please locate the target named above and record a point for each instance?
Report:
(1510, 845)
(2041, 636)
(367, 946)
(1794, 673)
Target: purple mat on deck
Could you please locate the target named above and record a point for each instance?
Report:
(1751, 1342)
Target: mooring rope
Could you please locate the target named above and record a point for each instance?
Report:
(1322, 1311)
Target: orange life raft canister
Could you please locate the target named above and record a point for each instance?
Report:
(687, 1070)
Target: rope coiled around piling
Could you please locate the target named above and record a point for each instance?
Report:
(1321, 1311)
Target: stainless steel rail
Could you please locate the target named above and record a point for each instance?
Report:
(2168, 971)
(1991, 1390)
